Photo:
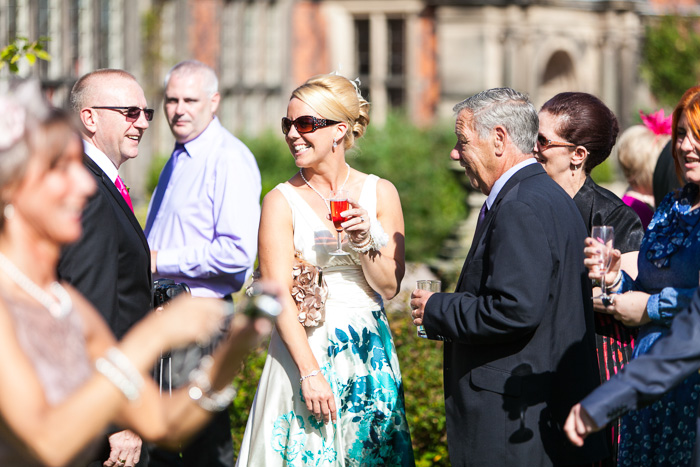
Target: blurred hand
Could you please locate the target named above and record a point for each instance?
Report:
(579, 425)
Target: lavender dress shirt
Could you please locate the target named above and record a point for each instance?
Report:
(204, 214)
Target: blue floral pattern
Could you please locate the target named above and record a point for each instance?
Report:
(371, 411)
(663, 434)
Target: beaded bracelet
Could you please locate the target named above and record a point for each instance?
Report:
(313, 373)
(123, 364)
(200, 388)
(363, 247)
(130, 390)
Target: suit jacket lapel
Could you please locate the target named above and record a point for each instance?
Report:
(485, 224)
(118, 198)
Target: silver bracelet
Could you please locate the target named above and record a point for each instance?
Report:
(313, 373)
(200, 388)
(130, 390)
(123, 364)
(617, 280)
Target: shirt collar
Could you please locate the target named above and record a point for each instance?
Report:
(201, 145)
(503, 179)
(101, 159)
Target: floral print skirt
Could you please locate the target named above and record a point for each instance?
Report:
(357, 357)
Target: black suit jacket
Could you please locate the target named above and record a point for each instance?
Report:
(669, 362)
(520, 328)
(111, 263)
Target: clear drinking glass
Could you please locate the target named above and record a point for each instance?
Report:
(339, 203)
(604, 234)
(430, 286)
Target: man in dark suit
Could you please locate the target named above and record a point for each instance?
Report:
(669, 362)
(519, 328)
(110, 264)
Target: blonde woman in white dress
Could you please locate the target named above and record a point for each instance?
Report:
(331, 392)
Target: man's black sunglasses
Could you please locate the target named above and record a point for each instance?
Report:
(131, 113)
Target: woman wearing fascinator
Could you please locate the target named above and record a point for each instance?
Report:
(64, 377)
(331, 392)
(638, 150)
(663, 433)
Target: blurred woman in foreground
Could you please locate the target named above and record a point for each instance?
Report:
(64, 375)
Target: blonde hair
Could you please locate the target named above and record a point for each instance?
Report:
(334, 97)
(637, 152)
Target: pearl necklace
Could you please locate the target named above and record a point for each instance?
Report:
(58, 308)
(325, 200)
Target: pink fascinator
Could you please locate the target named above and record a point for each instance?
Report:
(657, 122)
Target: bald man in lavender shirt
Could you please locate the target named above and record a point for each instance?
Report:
(202, 223)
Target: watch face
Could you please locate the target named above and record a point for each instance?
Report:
(195, 393)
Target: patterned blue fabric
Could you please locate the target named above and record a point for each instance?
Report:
(372, 404)
(669, 260)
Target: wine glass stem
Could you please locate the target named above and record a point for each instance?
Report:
(603, 285)
(339, 232)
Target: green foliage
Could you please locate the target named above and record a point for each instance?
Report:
(604, 172)
(415, 160)
(21, 48)
(670, 57)
(274, 159)
(421, 368)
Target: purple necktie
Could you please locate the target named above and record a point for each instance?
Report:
(124, 191)
(482, 214)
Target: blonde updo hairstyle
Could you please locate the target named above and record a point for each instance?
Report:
(637, 152)
(334, 97)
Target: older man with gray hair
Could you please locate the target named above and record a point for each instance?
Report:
(520, 347)
(202, 224)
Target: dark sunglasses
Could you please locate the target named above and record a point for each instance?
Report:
(548, 143)
(131, 113)
(305, 124)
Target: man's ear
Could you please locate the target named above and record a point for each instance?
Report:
(87, 118)
(215, 100)
(500, 138)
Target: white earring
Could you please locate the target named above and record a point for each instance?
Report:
(335, 143)
(9, 211)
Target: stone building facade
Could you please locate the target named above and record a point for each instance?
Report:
(418, 55)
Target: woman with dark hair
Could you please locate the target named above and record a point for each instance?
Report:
(669, 259)
(577, 133)
(65, 378)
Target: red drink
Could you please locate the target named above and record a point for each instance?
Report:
(338, 206)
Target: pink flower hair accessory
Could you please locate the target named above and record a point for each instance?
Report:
(657, 122)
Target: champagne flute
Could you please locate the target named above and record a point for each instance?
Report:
(431, 286)
(338, 204)
(605, 235)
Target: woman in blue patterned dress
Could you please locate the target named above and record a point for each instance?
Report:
(331, 392)
(669, 259)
